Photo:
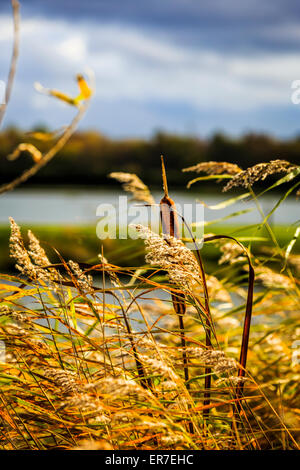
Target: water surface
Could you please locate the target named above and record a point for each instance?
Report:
(78, 206)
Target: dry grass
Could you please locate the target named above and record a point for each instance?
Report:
(93, 356)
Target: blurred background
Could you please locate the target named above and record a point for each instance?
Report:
(196, 81)
(181, 66)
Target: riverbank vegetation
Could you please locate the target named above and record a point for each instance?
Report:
(174, 353)
(159, 343)
(89, 157)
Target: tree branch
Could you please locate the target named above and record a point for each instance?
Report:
(14, 59)
(48, 155)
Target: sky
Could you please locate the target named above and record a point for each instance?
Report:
(181, 66)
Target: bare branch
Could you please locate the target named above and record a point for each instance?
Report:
(14, 59)
(48, 155)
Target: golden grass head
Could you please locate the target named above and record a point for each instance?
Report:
(214, 168)
(259, 172)
(171, 255)
(84, 281)
(134, 185)
(20, 254)
(64, 379)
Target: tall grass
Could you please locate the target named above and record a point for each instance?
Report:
(98, 356)
(160, 356)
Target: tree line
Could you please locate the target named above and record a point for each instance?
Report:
(89, 156)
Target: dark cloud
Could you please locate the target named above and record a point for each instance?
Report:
(179, 65)
(168, 12)
(227, 25)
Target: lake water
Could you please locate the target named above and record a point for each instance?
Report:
(78, 206)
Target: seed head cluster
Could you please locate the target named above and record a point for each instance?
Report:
(213, 358)
(115, 387)
(259, 172)
(63, 379)
(135, 186)
(171, 255)
(215, 168)
(272, 279)
(23, 260)
(231, 252)
(84, 281)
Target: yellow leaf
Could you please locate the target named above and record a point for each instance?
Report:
(85, 91)
(9, 287)
(63, 97)
(56, 93)
(43, 136)
(23, 147)
(20, 294)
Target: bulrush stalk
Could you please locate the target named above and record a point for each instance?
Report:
(246, 334)
(168, 215)
(170, 227)
(247, 319)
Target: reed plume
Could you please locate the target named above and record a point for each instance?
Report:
(259, 172)
(214, 168)
(134, 185)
